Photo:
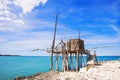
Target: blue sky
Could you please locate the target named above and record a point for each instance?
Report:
(29, 24)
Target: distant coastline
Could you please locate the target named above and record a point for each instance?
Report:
(8, 55)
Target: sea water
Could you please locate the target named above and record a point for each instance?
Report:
(13, 66)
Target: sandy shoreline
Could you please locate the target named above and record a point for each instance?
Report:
(108, 70)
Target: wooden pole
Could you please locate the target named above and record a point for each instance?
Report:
(67, 61)
(51, 61)
(77, 61)
(62, 61)
(95, 57)
(81, 59)
(56, 61)
(83, 63)
(53, 44)
(72, 61)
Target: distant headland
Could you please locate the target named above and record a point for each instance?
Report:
(8, 55)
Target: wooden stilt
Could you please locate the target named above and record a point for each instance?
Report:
(83, 63)
(51, 61)
(95, 58)
(67, 61)
(57, 62)
(81, 60)
(72, 61)
(62, 61)
(77, 62)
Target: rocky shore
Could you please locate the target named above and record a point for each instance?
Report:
(108, 70)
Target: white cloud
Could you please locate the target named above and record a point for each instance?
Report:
(6, 29)
(102, 39)
(5, 8)
(9, 24)
(28, 5)
(19, 21)
(25, 47)
(10, 20)
(116, 29)
(4, 3)
(1, 39)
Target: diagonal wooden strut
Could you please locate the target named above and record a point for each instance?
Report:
(53, 44)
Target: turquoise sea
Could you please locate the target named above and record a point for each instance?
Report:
(12, 66)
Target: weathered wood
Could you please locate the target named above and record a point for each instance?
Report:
(53, 44)
(51, 61)
(77, 61)
(95, 58)
(72, 61)
(71, 47)
(57, 62)
(62, 62)
(76, 45)
(67, 61)
(82, 58)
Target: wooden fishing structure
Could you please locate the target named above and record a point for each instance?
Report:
(71, 53)
(72, 49)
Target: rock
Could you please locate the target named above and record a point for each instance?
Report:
(109, 70)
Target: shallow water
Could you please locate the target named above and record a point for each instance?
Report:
(12, 66)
